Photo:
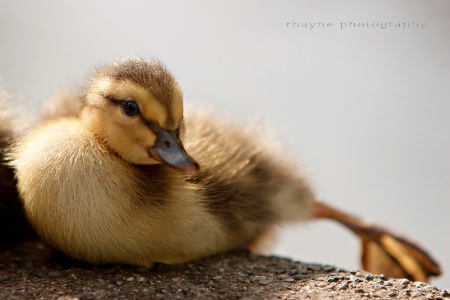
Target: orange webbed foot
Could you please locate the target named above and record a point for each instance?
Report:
(383, 251)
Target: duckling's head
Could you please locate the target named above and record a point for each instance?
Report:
(136, 107)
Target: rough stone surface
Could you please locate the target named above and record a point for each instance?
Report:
(33, 271)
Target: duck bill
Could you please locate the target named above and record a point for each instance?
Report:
(169, 150)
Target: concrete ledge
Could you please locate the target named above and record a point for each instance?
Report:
(31, 270)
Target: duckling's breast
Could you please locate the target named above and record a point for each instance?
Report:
(91, 204)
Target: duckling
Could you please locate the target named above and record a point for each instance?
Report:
(130, 179)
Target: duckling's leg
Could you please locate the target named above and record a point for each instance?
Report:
(384, 252)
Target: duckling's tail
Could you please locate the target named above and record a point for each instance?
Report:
(14, 226)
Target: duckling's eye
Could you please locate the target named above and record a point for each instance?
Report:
(130, 108)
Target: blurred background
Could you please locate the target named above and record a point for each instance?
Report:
(365, 111)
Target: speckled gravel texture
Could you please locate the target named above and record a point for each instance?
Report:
(33, 271)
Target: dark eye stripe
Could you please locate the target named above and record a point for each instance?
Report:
(114, 100)
(129, 106)
(152, 125)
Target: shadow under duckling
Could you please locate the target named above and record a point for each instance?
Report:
(14, 226)
(116, 184)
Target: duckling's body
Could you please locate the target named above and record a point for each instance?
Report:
(92, 203)
(112, 181)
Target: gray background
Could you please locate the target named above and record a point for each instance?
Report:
(364, 110)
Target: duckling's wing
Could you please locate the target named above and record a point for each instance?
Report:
(245, 184)
(65, 103)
